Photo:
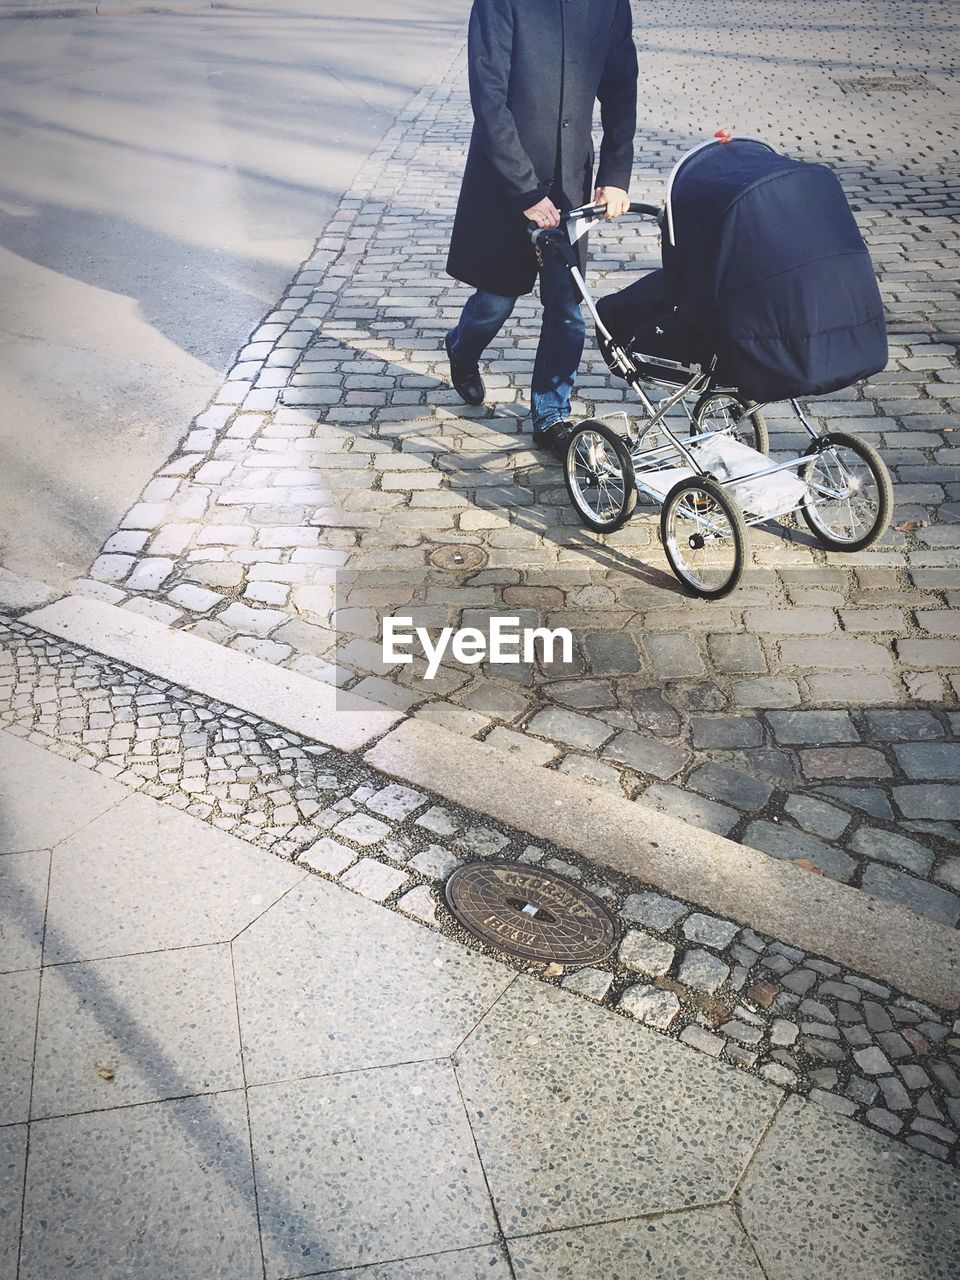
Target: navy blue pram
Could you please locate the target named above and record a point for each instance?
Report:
(764, 268)
(766, 293)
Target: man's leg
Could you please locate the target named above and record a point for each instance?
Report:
(483, 316)
(560, 348)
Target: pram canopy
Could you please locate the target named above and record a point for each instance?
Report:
(764, 268)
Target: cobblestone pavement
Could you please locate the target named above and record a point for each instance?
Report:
(812, 714)
(856, 1046)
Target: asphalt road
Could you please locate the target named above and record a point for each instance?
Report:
(161, 176)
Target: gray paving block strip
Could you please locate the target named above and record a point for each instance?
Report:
(805, 1023)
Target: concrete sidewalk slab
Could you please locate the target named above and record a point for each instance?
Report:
(141, 1028)
(31, 776)
(912, 1227)
(579, 1118)
(13, 1157)
(406, 1181)
(19, 994)
(705, 1242)
(466, 1264)
(154, 1191)
(145, 877)
(885, 939)
(310, 707)
(23, 886)
(338, 961)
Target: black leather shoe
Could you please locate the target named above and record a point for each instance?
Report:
(556, 437)
(466, 380)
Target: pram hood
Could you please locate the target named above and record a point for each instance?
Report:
(767, 265)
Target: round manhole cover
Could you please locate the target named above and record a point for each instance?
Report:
(531, 912)
(458, 558)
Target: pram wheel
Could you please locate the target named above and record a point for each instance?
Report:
(848, 506)
(704, 536)
(598, 471)
(732, 414)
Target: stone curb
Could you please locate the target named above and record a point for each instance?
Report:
(885, 940)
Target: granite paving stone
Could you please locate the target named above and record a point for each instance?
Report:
(653, 909)
(903, 725)
(929, 899)
(435, 862)
(817, 816)
(812, 727)
(650, 1005)
(703, 971)
(333, 1159)
(709, 930)
(589, 982)
(936, 800)
(720, 782)
(553, 1162)
(890, 846)
(183, 1173)
(691, 808)
(327, 856)
(726, 732)
(646, 755)
(642, 953)
(439, 821)
(703, 1040)
(372, 879)
(784, 841)
(928, 760)
(419, 903)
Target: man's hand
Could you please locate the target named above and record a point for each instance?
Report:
(544, 213)
(615, 198)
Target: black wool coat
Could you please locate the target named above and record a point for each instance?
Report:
(536, 69)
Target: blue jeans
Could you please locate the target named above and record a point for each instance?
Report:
(559, 349)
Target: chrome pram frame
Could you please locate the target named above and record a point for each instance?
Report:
(827, 476)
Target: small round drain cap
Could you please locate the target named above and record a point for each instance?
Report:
(458, 557)
(531, 912)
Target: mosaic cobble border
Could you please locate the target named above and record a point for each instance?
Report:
(857, 1047)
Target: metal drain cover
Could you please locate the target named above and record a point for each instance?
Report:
(531, 912)
(462, 557)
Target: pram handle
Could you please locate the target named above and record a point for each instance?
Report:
(594, 211)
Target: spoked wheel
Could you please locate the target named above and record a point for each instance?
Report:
(732, 414)
(598, 470)
(850, 507)
(704, 537)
